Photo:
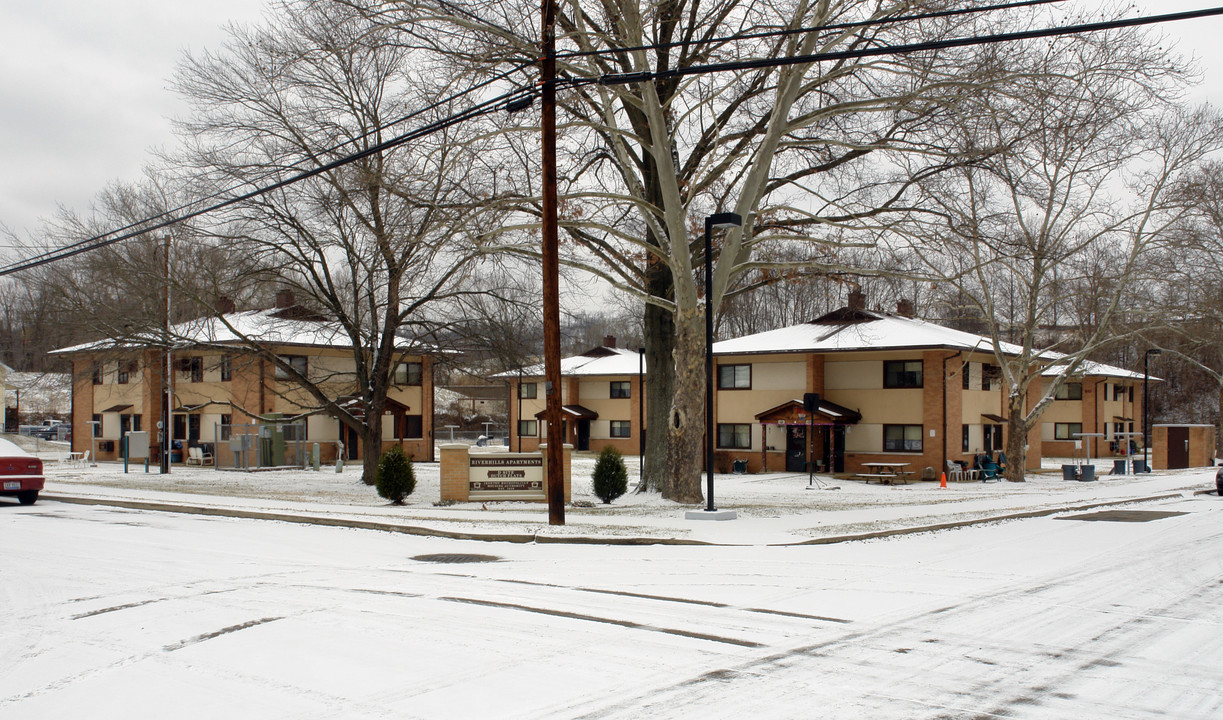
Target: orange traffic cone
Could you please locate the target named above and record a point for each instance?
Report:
(942, 481)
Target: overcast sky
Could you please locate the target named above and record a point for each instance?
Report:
(83, 88)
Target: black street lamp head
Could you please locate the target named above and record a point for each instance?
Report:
(1155, 351)
(723, 220)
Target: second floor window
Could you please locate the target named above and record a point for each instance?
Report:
(734, 377)
(528, 391)
(125, 374)
(227, 368)
(297, 362)
(192, 367)
(97, 374)
(902, 374)
(408, 373)
(1070, 391)
(620, 389)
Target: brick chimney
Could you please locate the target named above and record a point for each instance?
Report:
(225, 306)
(284, 298)
(905, 308)
(857, 300)
(609, 341)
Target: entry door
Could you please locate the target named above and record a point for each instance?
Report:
(583, 435)
(1178, 448)
(796, 448)
(838, 448)
(350, 445)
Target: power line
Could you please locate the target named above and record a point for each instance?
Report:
(633, 77)
(881, 22)
(498, 104)
(174, 215)
(519, 99)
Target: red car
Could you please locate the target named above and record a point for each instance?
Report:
(20, 473)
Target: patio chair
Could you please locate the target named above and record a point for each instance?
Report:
(988, 468)
(195, 456)
(955, 473)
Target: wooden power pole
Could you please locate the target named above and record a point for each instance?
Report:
(555, 480)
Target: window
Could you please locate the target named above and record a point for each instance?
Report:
(1118, 428)
(180, 427)
(991, 377)
(528, 391)
(412, 427)
(528, 428)
(902, 438)
(736, 436)
(734, 377)
(297, 362)
(97, 425)
(97, 374)
(1066, 431)
(125, 373)
(966, 376)
(192, 366)
(902, 374)
(227, 368)
(621, 389)
(136, 423)
(226, 426)
(408, 373)
(1070, 391)
(621, 429)
(1131, 393)
(964, 441)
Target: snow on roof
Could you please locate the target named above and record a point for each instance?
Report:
(598, 361)
(269, 327)
(1090, 368)
(845, 330)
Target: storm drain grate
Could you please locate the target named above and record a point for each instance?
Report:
(456, 558)
(1124, 515)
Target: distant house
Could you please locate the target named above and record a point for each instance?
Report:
(601, 396)
(1102, 404)
(219, 383)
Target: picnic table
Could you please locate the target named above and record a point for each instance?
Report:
(885, 472)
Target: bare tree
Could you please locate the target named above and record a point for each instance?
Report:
(380, 246)
(1049, 235)
(803, 151)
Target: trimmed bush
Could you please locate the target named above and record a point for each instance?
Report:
(395, 479)
(610, 476)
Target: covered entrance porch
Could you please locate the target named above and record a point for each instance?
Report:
(791, 437)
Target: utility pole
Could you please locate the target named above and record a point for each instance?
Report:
(551, 281)
(167, 381)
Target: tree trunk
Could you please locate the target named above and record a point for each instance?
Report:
(371, 438)
(1016, 438)
(1218, 424)
(686, 421)
(660, 386)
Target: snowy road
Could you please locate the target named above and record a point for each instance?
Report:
(125, 614)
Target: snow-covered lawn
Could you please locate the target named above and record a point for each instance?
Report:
(772, 507)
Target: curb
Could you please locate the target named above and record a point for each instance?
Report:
(580, 539)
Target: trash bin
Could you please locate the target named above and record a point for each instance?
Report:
(1070, 472)
(1118, 467)
(1087, 473)
(1140, 466)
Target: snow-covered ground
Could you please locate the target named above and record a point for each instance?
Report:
(772, 508)
(114, 613)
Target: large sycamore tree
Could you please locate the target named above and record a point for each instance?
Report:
(810, 153)
(1049, 240)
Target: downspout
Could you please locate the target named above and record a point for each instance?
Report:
(943, 464)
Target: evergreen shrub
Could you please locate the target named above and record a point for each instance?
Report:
(395, 478)
(610, 476)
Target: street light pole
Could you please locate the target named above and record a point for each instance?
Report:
(1146, 426)
(721, 220)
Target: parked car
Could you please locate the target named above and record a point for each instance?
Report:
(20, 473)
(1219, 481)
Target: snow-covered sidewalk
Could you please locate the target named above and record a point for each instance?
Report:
(773, 508)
